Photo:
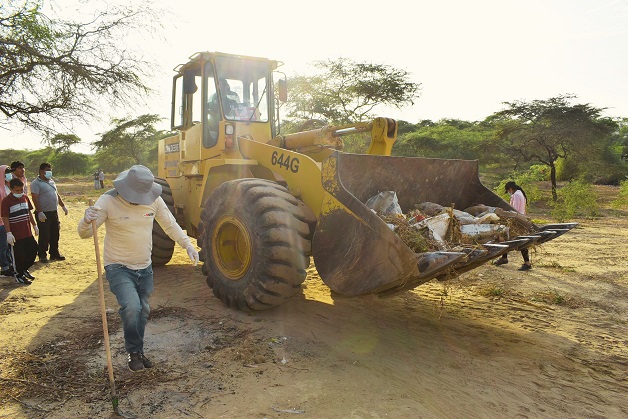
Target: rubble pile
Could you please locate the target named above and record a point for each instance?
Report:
(432, 227)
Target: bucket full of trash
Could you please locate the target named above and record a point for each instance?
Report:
(389, 224)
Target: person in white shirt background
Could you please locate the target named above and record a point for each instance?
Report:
(518, 201)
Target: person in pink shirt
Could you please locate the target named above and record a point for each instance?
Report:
(518, 201)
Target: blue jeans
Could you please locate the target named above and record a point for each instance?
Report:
(5, 251)
(132, 289)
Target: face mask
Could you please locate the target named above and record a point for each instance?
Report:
(18, 195)
(48, 174)
(8, 177)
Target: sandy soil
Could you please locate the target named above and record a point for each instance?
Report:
(551, 342)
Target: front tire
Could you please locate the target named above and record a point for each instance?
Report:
(255, 242)
(163, 245)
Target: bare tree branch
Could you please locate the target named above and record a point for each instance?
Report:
(54, 71)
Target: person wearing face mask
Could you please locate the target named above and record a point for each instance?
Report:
(128, 212)
(5, 251)
(518, 201)
(17, 169)
(17, 218)
(46, 199)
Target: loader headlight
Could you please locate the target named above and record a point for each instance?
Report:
(229, 134)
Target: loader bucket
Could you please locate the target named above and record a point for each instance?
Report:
(356, 253)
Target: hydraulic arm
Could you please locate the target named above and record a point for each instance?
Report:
(383, 136)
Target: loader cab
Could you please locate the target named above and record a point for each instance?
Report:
(223, 96)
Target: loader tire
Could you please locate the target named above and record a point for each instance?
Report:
(163, 246)
(255, 241)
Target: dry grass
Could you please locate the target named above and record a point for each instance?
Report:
(59, 370)
(418, 240)
(553, 297)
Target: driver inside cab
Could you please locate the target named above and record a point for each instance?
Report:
(230, 99)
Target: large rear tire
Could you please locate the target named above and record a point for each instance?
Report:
(255, 241)
(163, 246)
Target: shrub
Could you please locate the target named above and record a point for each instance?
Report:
(528, 181)
(622, 197)
(575, 199)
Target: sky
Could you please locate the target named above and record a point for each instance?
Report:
(468, 56)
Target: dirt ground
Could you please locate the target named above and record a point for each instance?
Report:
(494, 343)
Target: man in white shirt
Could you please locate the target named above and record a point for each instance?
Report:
(128, 212)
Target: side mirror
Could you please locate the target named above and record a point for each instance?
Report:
(189, 84)
(282, 87)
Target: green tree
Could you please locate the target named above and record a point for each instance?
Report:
(622, 138)
(34, 158)
(577, 198)
(448, 138)
(345, 91)
(544, 131)
(70, 163)
(10, 155)
(132, 141)
(603, 167)
(55, 71)
(63, 142)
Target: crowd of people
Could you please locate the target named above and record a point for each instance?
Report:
(22, 219)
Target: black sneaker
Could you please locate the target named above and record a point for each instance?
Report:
(57, 257)
(21, 279)
(43, 259)
(28, 275)
(10, 273)
(135, 361)
(525, 267)
(500, 261)
(147, 362)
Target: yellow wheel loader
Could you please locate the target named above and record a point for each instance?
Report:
(261, 204)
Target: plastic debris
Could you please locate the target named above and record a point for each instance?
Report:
(478, 232)
(438, 227)
(384, 203)
(431, 227)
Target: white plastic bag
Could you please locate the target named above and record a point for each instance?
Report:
(466, 218)
(384, 203)
(482, 231)
(438, 227)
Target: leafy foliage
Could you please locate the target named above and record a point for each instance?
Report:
(622, 196)
(528, 180)
(64, 163)
(345, 91)
(54, 71)
(63, 142)
(544, 131)
(131, 141)
(577, 199)
(449, 138)
(69, 163)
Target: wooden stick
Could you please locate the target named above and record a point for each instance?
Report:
(103, 313)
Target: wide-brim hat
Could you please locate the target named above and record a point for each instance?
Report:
(137, 185)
